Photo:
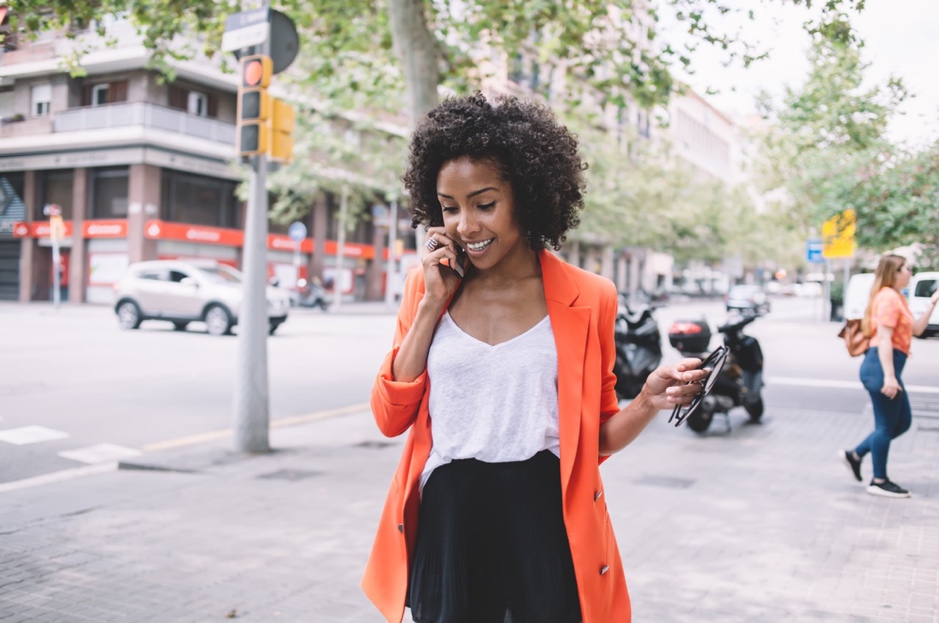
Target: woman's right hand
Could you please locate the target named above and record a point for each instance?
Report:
(891, 388)
(440, 281)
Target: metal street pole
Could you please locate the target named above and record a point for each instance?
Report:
(391, 276)
(252, 402)
(340, 248)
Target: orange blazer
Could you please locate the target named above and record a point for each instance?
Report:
(582, 307)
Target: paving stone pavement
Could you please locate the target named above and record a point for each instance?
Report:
(761, 524)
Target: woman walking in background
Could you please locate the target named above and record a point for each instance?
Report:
(501, 372)
(891, 327)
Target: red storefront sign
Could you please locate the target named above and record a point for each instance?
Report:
(105, 229)
(162, 230)
(90, 229)
(279, 242)
(40, 229)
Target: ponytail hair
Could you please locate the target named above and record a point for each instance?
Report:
(885, 277)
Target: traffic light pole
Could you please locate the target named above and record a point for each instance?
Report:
(252, 401)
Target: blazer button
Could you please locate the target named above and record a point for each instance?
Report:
(401, 528)
(596, 496)
(604, 569)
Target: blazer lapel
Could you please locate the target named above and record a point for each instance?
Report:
(570, 325)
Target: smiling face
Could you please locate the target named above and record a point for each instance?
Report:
(479, 211)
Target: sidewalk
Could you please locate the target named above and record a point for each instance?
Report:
(759, 525)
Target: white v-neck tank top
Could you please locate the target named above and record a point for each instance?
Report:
(492, 403)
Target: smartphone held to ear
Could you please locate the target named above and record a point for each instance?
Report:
(459, 266)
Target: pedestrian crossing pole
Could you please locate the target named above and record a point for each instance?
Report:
(252, 397)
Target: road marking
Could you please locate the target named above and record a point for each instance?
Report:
(192, 440)
(832, 384)
(100, 453)
(101, 468)
(30, 434)
(59, 476)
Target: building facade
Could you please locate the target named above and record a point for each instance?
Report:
(141, 169)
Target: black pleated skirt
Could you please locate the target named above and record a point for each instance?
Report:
(491, 546)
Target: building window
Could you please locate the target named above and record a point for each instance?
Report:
(55, 187)
(41, 100)
(198, 104)
(99, 94)
(193, 102)
(109, 192)
(104, 94)
(199, 200)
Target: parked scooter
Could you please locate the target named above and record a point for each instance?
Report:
(310, 294)
(638, 348)
(740, 382)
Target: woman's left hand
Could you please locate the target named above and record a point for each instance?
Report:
(674, 384)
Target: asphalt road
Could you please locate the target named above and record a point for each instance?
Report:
(74, 381)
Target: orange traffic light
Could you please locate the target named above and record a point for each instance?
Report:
(256, 71)
(254, 105)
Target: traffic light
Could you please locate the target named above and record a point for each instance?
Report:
(283, 120)
(254, 105)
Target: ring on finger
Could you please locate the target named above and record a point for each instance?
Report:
(432, 244)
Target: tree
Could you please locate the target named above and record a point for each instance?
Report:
(610, 44)
(385, 57)
(830, 152)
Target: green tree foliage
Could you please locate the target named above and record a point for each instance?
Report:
(641, 194)
(830, 152)
(382, 58)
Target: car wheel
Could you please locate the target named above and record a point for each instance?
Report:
(128, 315)
(217, 320)
(180, 326)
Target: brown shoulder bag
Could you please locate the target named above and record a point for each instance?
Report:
(854, 339)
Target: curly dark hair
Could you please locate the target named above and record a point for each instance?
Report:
(534, 152)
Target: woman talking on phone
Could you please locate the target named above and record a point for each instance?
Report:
(501, 373)
(891, 327)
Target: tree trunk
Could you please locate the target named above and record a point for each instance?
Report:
(417, 51)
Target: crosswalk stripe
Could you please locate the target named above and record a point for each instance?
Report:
(833, 384)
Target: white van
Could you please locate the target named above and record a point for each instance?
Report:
(857, 295)
(922, 287)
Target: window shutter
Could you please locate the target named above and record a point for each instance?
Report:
(117, 92)
(179, 98)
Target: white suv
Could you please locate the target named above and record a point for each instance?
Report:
(922, 286)
(186, 291)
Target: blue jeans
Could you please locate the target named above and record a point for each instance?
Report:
(892, 417)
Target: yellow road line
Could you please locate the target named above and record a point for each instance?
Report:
(192, 440)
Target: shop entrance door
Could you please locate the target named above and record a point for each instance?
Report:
(9, 270)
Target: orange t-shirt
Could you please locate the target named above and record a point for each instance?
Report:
(890, 309)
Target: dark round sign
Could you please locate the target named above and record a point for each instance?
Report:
(285, 44)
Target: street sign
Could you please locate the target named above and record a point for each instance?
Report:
(838, 235)
(813, 251)
(245, 29)
(297, 231)
(284, 44)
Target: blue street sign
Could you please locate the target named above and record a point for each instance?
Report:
(296, 231)
(813, 251)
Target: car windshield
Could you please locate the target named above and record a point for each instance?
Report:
(743, 291)
(220, 274)
(925, 287)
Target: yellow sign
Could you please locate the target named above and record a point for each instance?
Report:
(838, 235)
(56, 228)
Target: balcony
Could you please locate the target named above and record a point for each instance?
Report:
(144, 115)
